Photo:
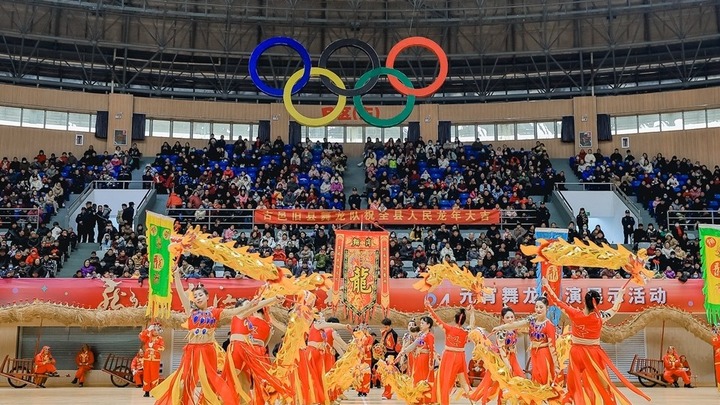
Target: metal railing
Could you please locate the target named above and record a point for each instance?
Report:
(23, 216)
(690, 219)
(245, 218)
(559, 187)
(104, 185)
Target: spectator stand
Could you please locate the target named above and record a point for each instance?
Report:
(666, 188)
(455, 176)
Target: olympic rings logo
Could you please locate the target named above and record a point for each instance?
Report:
(334, 83)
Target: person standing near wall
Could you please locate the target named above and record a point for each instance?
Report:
(628, 224)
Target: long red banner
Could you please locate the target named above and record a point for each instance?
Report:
(388, 217)
(517, 293)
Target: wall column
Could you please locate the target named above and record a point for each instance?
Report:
(585, 113)
(279, 122)
(120, 112)
(428, 115)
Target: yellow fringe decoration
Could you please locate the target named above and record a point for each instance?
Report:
(514, 388)
(349, 364)
(298, 325)
(462, 278)
(561, 253)
(402, 384)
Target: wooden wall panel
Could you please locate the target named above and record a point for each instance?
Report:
(696, 144)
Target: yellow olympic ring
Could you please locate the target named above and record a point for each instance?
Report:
(307, 121)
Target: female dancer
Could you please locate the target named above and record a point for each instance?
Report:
(84, 360)
(424, 362)
(587, 376)
(506, 343)
(543, 358)
(366, 345)
(407, 340)
(247, 361)
(198, 366)
(335, 346)
(452, 365)
(307, 380)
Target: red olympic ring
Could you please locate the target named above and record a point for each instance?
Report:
(428, 44)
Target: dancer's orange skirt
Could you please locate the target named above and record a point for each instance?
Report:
(488, 388)
(423, 370)
(588, 381)
(311, 373)
(198, 367)
(252, 360)
(543, 368)
(452, 364)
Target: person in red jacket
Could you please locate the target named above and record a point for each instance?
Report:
(44, 365)
(136, 367)
(716, 355)
(674, 369)
(84, 360)
(153, 346)
(390, 342)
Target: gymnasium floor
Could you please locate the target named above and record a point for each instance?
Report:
(129, 396)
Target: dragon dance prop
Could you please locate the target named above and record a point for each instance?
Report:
(402, 384)
(237, 258)
(462, 278)
(519, 389)
(296, 286)
(298, 326)
(562, 253)
(349, 368)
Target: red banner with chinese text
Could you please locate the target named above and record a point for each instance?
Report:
(362, 261)
(520, 294)
(388, 217)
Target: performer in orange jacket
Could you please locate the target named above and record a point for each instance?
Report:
(506, 346)
(389, 340)
(153, 346)
(136, 367)
(674, 369)
(424, 362)
(453, 367)
(84, 360)
(199, 362)
(247, 362)
(44, 366)
(366, 346)
(587, 376)
(543, 358)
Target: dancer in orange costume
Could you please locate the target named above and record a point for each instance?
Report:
(247, 361)
(506, 346)
(453, 366)
(198, 365)
(136, 367)
(307, 381)
(716, 355)
(335, 346)
(153, 346)
(588, 381)
(674, 369)
(44, 366)
(408, 339)
(366, 346)
(390, 343)
(685, 365)
(84, 361)
(424, 362)
(543, 358)
(476, 371)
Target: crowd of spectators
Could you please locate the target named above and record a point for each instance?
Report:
(456, 176)
(660, 184)
(35, 253)
(244, 176)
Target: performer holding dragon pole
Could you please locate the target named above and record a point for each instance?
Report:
(247, 361)
(424, 357)
(453, 367)
(198, 366)
(587, 376)
(543, 358)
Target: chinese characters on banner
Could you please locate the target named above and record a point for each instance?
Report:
(520, 294)
(362, 260)
(389, 217)
(710, 257)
